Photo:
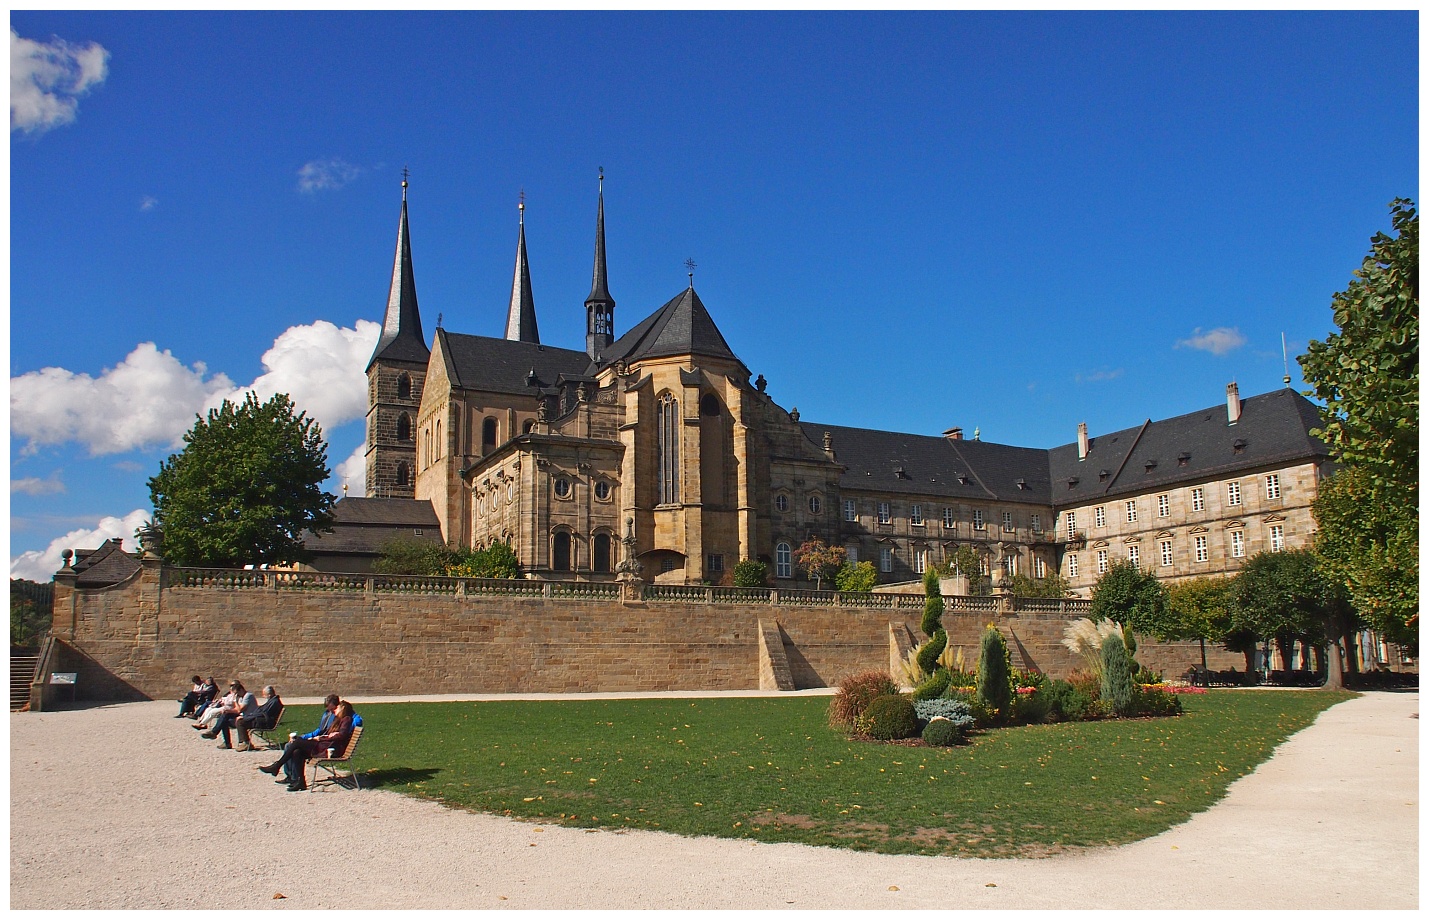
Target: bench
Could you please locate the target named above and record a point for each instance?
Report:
(257, 736)
(334, 765)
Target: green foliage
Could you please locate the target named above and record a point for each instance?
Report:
(819, 560)
(931, 650)
(1118, 688)
(934, 686)
(244, 488)
(751, 573)
(1066, 703)
(854, 694)
(31, 611)
(943, 733)
(1285, 596)
(956, 711)
(1371, 545)
(1125, 594)
(856, 577)
(1200, 608)
(966, 561)
(495, 561)
(1053, 586)
(890, 718)
(1367, 374)
(405, 556)
(1153, 701)
(933, 604)
(994, 673)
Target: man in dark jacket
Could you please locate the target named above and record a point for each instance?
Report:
(270, 710)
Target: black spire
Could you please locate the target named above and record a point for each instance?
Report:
(402, 338)
(599, 306)
(521, 315)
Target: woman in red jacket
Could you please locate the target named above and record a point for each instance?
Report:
(296, 753)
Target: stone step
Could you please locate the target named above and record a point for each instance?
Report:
(22, 672)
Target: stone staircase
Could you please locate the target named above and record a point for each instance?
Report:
(22, 672)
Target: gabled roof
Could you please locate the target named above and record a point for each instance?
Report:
(1273, 428)
(681, 327)
(362, 525)
(477, 362)
(402, 512)
(402, 338)
(911, 464)
(108, 565)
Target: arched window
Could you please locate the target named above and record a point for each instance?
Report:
(488, 435)
(669, 444)
(404, 427)
(709, 404)
(437, 445)
(783, 561)
(527, 425)
(600, 553)
(404, 386)
(404, 475)
(561, 552)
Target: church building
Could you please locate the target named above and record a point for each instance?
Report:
(653, 452)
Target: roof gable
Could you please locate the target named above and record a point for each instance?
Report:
(681, 327)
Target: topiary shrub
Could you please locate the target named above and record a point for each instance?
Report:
(855, 693)
(943, 733)
(994, 673)
(934, 686)
(890, 718)
(1118, 688)
(933, 605)
(930, 651)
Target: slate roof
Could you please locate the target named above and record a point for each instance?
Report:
(1274, 428)
(362, 525)
(521, 314)
(402, 338)
(681, 327)
(108, 565)
(478, 362)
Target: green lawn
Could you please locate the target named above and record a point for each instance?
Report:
(772, 769)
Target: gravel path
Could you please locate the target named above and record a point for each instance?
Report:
(105, 813)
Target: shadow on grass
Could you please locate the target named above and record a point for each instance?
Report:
(396, 776)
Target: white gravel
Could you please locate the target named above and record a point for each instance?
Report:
(121, 806)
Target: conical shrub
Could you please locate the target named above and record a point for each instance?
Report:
(1117, 684)
(994, 672)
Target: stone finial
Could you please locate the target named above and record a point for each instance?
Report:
(67, 556)
(760, 383)
(794, 413)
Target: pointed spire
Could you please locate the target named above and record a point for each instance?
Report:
(402, 337)
(599, 306)
(521, 315)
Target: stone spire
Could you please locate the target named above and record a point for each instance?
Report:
(402, 338)
(521, 315)
(599, 306)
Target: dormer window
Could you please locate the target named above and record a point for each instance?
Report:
(1150, 465)
(1102, 475)
(1072, 482)
(1237, 445)
(1183, 458)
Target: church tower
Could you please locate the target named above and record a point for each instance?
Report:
(521, 315)
(395, 376)
(599, 306)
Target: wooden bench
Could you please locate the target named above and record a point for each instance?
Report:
(334, 765)
(258, 737)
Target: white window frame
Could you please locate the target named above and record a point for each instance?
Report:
(1272, 487)
(783, 561)
(915, 515)
(781, 503)
(885, 514)
(1203, 548)
(885, 559)
(1072, 565)
(1036, 523)
(1233, 493)
(1198, 499)
(1168, 557)
(950, 519)
(1071, 519)
(1039, 567)
(1133, 555)
(920, 560)
(1099, 516)
(850, 510)
(1007, 526)
(1237, 544)
(1163, 505)
(1277, 538)
(1102, 564)
(816, 505)
(1131, 511)
(978, 522)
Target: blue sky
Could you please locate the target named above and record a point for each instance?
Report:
(1009, 221)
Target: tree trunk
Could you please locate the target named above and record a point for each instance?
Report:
(1286, 646)
(1203, 656)
(1249, 654)
(1334, 677)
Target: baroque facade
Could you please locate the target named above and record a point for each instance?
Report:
(654, 452)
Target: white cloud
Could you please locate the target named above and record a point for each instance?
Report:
(1219, 341)
(151, 398)
(326, 175)
(40, 565)
(148, 203)
(352, 473)
(32, 485)
(1099, 375)
(47, 79)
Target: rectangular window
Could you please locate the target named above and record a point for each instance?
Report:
(1099, 516)
(852, 550)
(977, 521)
(667, 565)
(714, 562)
(850, 510)
(1198, 499)
(1203, 552)
(1163, 506)
(1036, 523)
(1039, 567)
(915, 515)
(884, 515)
(885, 559)
(1131, 511)
(1233, 493)
(1007, 521)
(783, 561)
(1072, 565)
(949, 519)
(1133, 555)
(1166, 557)
(920, 561)
(1009, 566)
(1071, 525)
(1272, 486)
(1101, 562)
(1277, 538)
(1237, 544)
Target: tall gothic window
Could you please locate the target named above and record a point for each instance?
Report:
(404, 387)
(561, 552)
(669, 437)
(600, 553)
(403, 474)
(404, 427)
(488, 435)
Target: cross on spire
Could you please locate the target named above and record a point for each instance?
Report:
(405, 174)
(690, 266)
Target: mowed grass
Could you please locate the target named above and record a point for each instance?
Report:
(772, 769)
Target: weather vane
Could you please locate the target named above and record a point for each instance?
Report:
(691, 266)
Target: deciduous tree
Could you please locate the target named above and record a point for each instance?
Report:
(1125, 594)
(819, 560)
(1287, 596)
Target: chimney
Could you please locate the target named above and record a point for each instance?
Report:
(1082, 441)
(953, 434)
(1232, 403)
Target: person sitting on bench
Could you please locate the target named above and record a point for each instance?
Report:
(296, 753)
(189, 704)
(270, 710)
(244, 704)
